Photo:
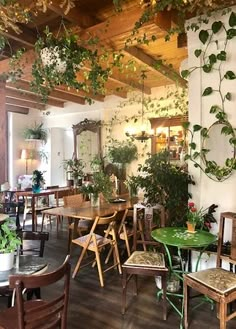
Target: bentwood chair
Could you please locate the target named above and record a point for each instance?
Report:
(96, 243)
(146, 262)
(217, 283)
(44, 313)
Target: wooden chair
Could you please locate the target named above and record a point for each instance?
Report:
(126, 230)
(32, 243)
(42, 203)
(150, 263)
(216, 283)
(75, 200)
(40, 313)
(59, 202)
(96, 243)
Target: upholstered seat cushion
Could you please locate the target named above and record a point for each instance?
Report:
(146, 258)
(217, 279)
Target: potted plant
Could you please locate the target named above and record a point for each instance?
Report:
(74, 167)
(60, 58)
(201, 218)
(37, 132)
(8, 244)
(166, 184)
(37, 180)
(122, 153)
(101, 183)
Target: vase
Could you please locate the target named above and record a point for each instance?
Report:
(36, 188)
(191, 227)
(95, 201)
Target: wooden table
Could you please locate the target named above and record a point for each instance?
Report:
(86, 211)
(34, 196)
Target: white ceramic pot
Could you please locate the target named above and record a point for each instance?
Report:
(6, 261)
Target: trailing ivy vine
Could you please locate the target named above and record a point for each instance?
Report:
(213, 62)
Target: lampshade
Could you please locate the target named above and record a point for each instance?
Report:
(24, 154)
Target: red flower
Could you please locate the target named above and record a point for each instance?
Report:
(193, 209)
(191, 204)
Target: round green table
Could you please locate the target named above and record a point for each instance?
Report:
(180, 238)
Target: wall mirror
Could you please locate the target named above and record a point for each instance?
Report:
(87, 141)
(219, 146)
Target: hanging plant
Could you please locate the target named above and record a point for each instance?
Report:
(122, 152)
(60, 59)
(37, 132)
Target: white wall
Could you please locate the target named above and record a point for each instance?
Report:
(206, 191)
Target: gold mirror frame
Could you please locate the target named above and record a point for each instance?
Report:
(87, 125)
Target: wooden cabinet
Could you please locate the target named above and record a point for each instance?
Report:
(169, 135)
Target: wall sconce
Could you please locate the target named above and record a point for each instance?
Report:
(25, 156)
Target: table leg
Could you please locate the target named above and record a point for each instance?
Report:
(34, 226)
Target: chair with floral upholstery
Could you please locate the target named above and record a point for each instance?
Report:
(216, 283)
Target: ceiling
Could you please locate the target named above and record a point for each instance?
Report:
(99, 18)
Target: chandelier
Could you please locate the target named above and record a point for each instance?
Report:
(143, 134)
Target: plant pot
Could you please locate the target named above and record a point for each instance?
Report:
(6, 261)
(191, 227)
(36, 188)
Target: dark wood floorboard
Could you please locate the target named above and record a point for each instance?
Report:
(93, 307)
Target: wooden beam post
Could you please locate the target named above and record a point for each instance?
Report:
(3, 134)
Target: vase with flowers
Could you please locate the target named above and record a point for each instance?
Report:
(200, 219)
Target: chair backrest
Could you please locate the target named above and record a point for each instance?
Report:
(231, 257)
(46, 313)
(29, 246)
(109, 221)
(74, 200)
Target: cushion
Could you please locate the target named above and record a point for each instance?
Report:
(146, 258)
(217, 279)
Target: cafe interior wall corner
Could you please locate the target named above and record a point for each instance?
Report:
(207, 191)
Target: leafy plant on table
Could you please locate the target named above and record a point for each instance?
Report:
(8, 237)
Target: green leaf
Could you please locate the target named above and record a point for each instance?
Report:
(229, 75)
(207, 91)
(196, 165)
(187, 157)
(226, 130)
(185, 73)
(216, 26)
(186, 125)
(196, 155)
(233, 141)
(231, 33)
(214, 109)
(192, 146)
(203, 36)
(207, 68)
(221, 116)
(221, 56)
(197, 52)
(212, 59)
(197, 128)
(204, 132)
(232, 19)
(228, 96)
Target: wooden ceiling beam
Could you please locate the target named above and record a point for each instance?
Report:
(57, 94)
(24, 103)
(17, 109)
(152, 64)
(23, 95)
(75, 16)
(26, 37)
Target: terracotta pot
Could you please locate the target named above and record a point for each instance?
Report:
(191, 227)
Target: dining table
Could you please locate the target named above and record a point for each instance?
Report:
(181, 239)
(34, 196)
(88, 212)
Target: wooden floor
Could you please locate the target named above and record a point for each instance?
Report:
(93, 307)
